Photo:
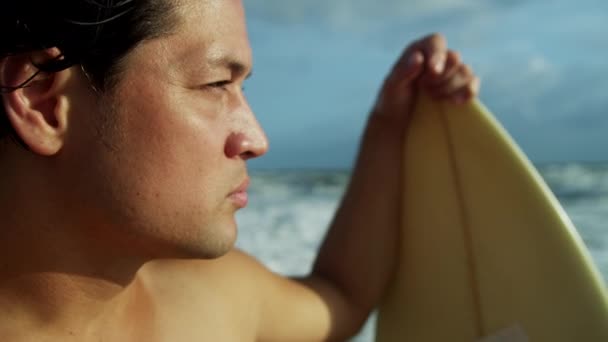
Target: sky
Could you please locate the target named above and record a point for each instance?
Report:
(318, 65)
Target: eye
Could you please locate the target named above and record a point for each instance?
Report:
(221, 85)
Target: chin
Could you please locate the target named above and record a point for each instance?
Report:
(211, 244)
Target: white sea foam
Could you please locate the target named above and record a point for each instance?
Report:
(288, 216)
(577, 181)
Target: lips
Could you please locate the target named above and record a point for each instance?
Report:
(239, 196)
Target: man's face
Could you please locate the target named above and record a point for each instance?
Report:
(179, 135)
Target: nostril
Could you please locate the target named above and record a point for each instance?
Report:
(248, 155)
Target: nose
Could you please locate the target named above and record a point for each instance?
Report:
(248, 141)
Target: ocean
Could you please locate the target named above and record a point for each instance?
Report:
(290, 211)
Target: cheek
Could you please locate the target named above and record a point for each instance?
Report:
(170, 162)
(178, 155)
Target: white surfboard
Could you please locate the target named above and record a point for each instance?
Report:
(487, 252)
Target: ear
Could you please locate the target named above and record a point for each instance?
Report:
(38, 111)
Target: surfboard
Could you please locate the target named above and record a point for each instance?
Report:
(487, 253)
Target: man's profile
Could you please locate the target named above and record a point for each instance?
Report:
(124, 140)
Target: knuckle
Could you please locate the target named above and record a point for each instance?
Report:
(474, 85)
(465, 69)
(455, 56)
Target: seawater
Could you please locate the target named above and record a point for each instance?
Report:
(290, 212)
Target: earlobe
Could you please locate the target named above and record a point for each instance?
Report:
(37, 111)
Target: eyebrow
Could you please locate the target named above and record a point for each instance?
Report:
(233, 65)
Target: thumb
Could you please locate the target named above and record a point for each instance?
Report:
(399, 90)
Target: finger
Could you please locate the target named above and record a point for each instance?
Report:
(413, 69)
(397, 93)
(435, 49)
(463, 77)
(405, 73)
(468, 92)
(452, 66)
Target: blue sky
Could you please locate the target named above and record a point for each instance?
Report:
(319, 63)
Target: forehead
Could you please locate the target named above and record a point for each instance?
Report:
(216, 26)
(207, 32)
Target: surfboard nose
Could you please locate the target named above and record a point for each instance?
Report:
(485, 244)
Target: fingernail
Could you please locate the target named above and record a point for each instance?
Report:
(438, 65)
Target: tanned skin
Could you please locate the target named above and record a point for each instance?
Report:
(118, 223)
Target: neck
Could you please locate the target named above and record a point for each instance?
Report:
(55, 284)
(62, 271)
(54, 278)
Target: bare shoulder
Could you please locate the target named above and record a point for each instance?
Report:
(229, 273)
(221, 294)
(238, 296)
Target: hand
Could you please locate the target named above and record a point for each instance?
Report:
(426, 65)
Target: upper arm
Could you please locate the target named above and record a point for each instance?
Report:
(309, 309)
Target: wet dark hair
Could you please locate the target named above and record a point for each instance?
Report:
(95, 34)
